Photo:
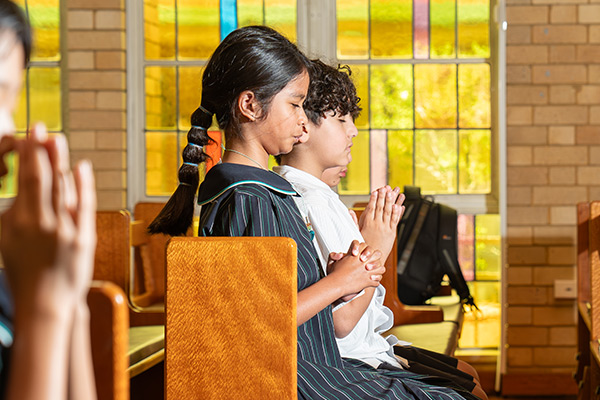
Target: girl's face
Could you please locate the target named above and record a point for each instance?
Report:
(284, 124)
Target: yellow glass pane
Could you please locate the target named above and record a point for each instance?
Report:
(161, 163)
(249, 12)
(473, 28)
(443, 33)
(160, 98)
(475, 159)
(360, 78)
(45, 20)
(159, 29)
(352, 29)
(45, 97)
(400, 158)
(391, 96)
(198, 28)
(435, 96)
(8, 184)
(357, 177)
(481, 328)
(20, 113)
(488, 246)
(391, 29)
(281, 15)
(190, 93)
(435, 161)
(474, 107)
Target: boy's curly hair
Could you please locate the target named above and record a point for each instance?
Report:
(331, 89)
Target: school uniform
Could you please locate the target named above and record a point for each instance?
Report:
(6, 331)
(240, 200)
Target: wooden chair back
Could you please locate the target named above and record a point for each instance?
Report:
(231, 318)
(594, 260)
(109, 323)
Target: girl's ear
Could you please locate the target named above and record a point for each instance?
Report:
(248, 105)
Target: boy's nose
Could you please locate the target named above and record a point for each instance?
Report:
(303, 119)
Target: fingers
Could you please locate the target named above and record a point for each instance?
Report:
(353, 216)
(86, 193)
(65, 194)
(335, 256)
(381, 200)
(355, 248)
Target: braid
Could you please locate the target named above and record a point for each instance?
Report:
(177, 215)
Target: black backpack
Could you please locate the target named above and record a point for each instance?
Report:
(427, 250)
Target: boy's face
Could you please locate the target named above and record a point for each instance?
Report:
(331, 141)
(333, 176)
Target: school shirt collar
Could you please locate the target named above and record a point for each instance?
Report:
(303, 182)
(224, 176)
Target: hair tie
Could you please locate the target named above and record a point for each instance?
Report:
(206, 111)
(199, 127)
(195, 145)
(185, 183)
(190, 163)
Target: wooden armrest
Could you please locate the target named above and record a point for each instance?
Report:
(419, 315)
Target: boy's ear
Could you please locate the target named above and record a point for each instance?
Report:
(248, 105)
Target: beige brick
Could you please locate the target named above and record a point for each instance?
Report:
(563, 335)
(557, 74)
(110, 60)
(520, 275)
(519, 115)
(589, 53)
(594, 155)
(562, 2)
(589, 14)
(518, 195)
(520, 356)
(546, 275)
(527, 176)
(97, 120)
(562, 94)
(594, 74)
(529, 255)
(595, 115)
(105, 80)
(518, 74)
(527, 216)
(518, 35)
(559, 34)
(111, 140)
(82, 100)
(81, 140)
(562, 54)
(81, 60)
(527, 336)
(560, 115)
(526, 94)
(519, 235)
(558, 195)
(518, 2)
(79, 19)
(563, 215)
(519, 155)
(527, 295)
(110, 180)
(594, 192)
(110, 20)
(561, 135)
(594, 34)
(554, 235)
(589, 94)
(554, 356)
(96, 40)
(561, 255)
(108, 100)
(526, 15)
(519, 315)
(98, 4)
(562, 175)
(526, 135)
(526, 54)
(588, 134)
(563, 14)
(103, 160)
(111, 200)
(560, 155)
(588, 175)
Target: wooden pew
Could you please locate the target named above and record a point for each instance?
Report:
(594, 268)
(231, 318)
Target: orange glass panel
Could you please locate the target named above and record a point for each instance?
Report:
(281, 15)
(161, 163)
(352, 29)
(159, 29)
(357, 178)
(45, 21)
(45, 97)
(391, 29)
(475, 159)
(400, 158)
(473, 28)
(391, 89)
(443, 32)
(435, 96)
(435, 161)
(474, 105)
(160, 98)
(197, 28)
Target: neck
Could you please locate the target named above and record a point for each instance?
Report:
(303, 163)
(246, 153)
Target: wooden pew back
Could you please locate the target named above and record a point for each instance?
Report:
(231, 318)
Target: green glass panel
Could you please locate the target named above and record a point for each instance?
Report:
(190, 93)
(474, 107)
(45, 97)
(250, 12)
(473, 28)
(159, 29)
(357, 177)
(281, 15)
(352, 29)
(475, 161)
(400, 158)
(435, 96)
(162, 157)
(481, 328)
(197, 28)
(8, 184)
(20, 113)
(44, 16)
(360, 78)
(488, 246)
(442, 15)
(160, 98)
(391, 89)
(435, 161)
(466, 238)
(391, 29)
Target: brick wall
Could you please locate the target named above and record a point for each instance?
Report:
(96, 85)
(553, 134)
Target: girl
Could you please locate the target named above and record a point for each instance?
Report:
(255, 84)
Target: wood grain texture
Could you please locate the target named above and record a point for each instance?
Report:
(231, 318)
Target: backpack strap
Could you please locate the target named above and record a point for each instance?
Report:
(412, 240)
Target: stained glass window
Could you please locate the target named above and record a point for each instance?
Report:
(40, 99)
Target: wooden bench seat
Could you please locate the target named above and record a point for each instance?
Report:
(441, 337)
